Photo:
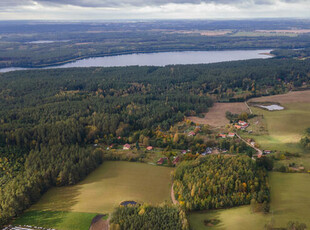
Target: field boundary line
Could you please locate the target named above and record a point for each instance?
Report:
(246, 104)
(174, 201)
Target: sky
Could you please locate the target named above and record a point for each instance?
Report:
(151, 9)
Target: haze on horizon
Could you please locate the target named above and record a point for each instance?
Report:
(151, 9)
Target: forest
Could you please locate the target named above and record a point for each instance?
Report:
(145, 217)
(51, 119)
(214, 182)
(305, 140)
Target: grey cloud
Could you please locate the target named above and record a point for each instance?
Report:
(120, 3)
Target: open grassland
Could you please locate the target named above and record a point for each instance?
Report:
(290, 197)
(239, 218)
(285, 127)
(109, 185)
(216, 116)
(282, 130)
(57, 219)
(289, 202)
(66, 208)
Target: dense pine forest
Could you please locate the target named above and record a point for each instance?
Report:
(219, 182)
(50, 119)
(149, 217)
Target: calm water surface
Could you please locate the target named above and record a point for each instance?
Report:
(161, 59)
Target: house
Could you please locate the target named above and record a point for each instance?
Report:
(238, 126)
(253, 143)
(222, 135)
(267, 151)
(149, 148)
(176, 160)
(126, 146)
(231, 134)
(191, 133)
(208, 150)
(242, 123)
(183, 152)
(161, 160)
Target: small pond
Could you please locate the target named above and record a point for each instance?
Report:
(271, 107)
(131, 202)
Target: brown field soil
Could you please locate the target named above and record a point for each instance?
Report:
(216, 116)
(204, 32)
(301, 31)
(291, 97)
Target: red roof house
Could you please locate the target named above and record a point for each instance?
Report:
(176, 160)
(126, 146)
(161, 160)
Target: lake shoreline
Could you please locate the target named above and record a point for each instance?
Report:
(260, 54)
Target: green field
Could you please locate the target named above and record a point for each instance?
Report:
(285, 129)
(57, 219)
(289, 202)
(104, 189)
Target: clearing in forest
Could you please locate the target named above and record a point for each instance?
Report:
(216, 117)
(109, 185)
(99, 193)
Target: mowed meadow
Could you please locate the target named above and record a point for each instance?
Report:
(99, 193)
(289, 202)
(285, 127)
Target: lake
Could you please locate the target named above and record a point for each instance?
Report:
(161, 59)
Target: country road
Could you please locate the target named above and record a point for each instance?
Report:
(259, 152)
(174, 201)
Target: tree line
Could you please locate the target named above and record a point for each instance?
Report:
(218, 181)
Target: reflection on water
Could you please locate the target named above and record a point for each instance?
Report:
(161, 59)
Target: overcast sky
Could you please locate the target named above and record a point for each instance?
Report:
(151, 9)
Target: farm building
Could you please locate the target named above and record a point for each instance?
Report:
(242, 123)
(267, 151)
(176, 160)
(126, 146)
(161, 160)
(191, 133)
